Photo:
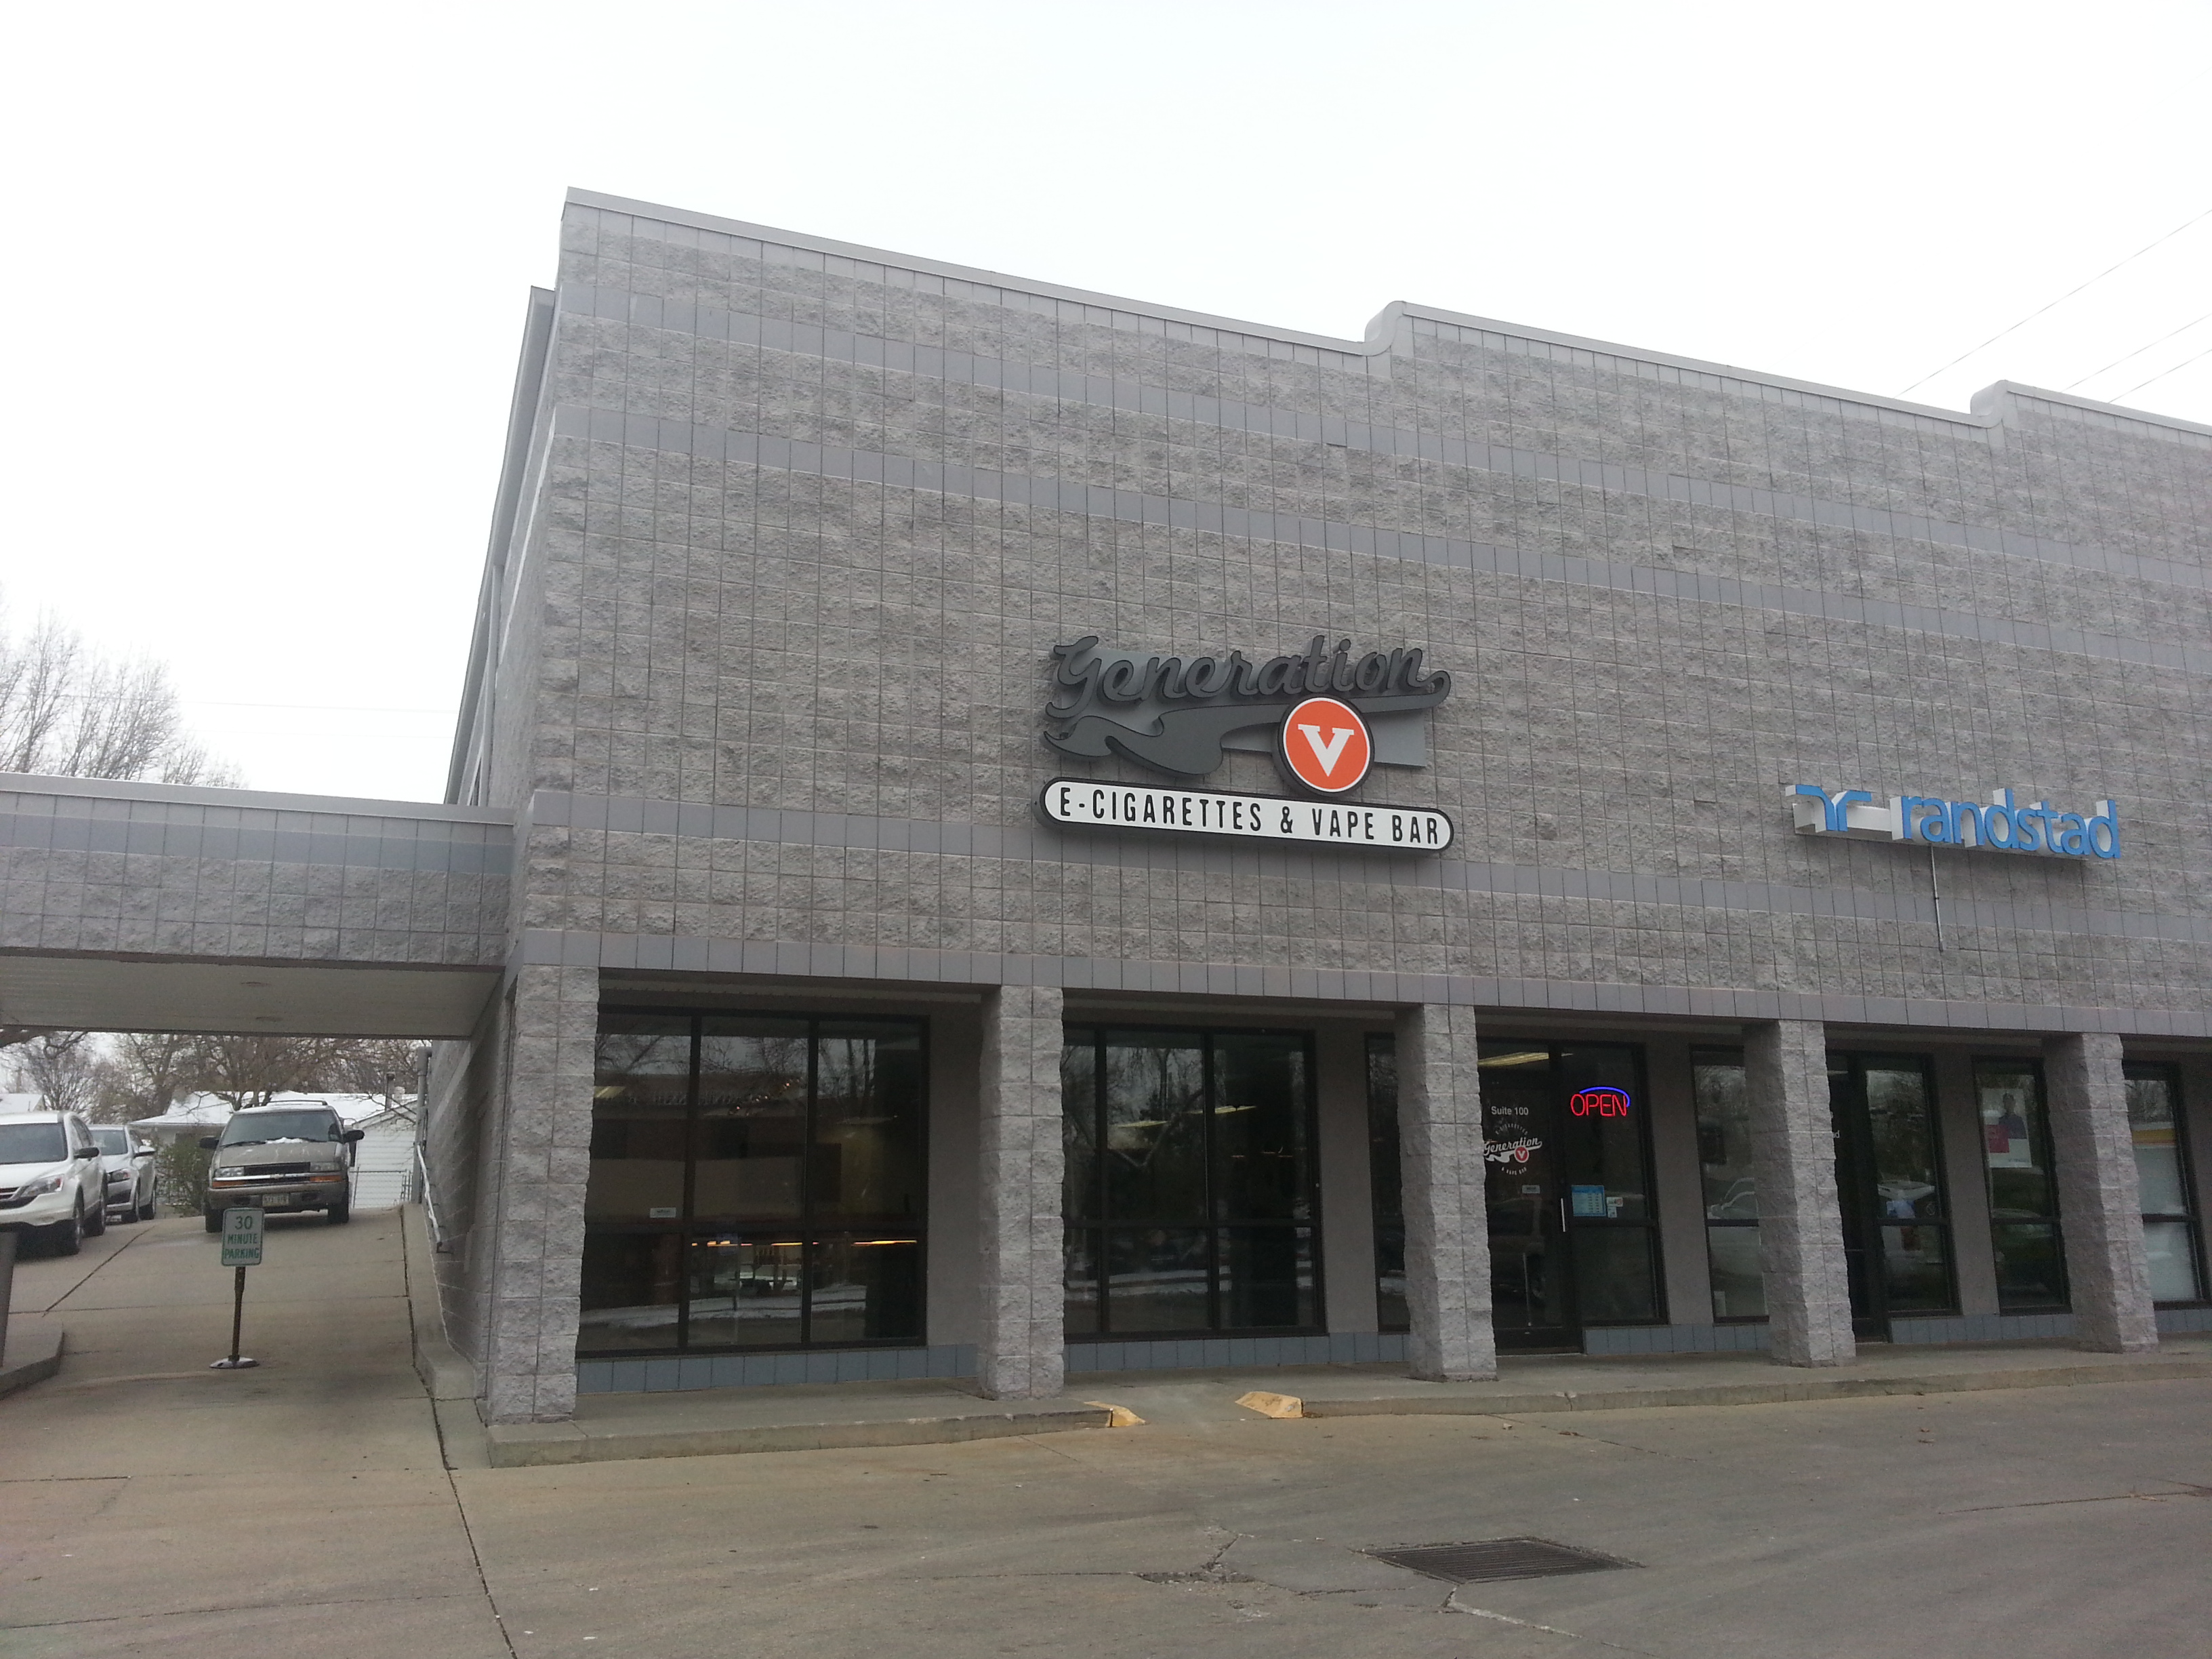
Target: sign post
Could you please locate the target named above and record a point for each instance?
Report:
(242, 1249)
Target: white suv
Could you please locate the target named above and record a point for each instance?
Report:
(51, 1186)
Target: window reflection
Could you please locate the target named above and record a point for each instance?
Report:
(1386, 1182)
(2024, 1227)
(1567, 1189)
(756, 1181)
(2170, 1238)
(1189, 1182)
(1731, 1192)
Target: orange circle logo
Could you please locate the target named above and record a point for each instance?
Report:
(1325, 745)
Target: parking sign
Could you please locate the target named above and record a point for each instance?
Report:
(241, 1238)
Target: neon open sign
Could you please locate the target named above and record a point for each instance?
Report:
(1599, 1102)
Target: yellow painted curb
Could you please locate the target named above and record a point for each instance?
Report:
(1118, 1417)
(1272, 1405)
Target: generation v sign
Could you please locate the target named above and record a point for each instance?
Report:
(1330, 716)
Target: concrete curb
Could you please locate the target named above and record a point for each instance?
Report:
(1758, 1393)
(521, 1445)
(34, 1354)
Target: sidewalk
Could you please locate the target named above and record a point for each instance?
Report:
(713, 1422)
(695, 1423)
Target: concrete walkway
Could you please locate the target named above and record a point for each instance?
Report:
(151, 1502)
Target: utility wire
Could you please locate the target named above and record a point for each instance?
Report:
(2161, 374)
(2139, 352)
(2060, 300)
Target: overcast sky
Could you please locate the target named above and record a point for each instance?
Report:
(268, 265)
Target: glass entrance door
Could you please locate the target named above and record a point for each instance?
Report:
(1889, 1186)
(1569, 1189)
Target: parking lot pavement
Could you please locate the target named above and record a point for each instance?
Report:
(152, 1506)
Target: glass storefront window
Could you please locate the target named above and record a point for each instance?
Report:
(1572, 1241)
(1190, 1200)
(1385, 1183)
(2162, 1174)
(1889, 1186)
(2023, 1192)
(1731, 1195)
(756, 1181)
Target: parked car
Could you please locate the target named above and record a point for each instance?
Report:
(128, 1164)
(282, 1157)
(52, 1189)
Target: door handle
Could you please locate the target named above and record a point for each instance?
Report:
(1563, 1215)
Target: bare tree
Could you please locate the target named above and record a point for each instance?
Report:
(68, 711)
(387, 1067)
(145, 1072)
(250, 1070)
(62, 1066)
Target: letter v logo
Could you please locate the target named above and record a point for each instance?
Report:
(1325, 745)
(1327, 752)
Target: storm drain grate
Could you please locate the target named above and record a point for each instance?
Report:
(1492, 1558)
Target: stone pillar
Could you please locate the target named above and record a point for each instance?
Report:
(541, 1143)
(2099, 1205)
(1022, 1353)
(1801, 1226)
(1447, 1217)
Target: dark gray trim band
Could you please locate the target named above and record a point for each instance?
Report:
(999, 373)
(255, 835)
(635, 952)
(1135, 850)
(1133, 507)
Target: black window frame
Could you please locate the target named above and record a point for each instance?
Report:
(1856, 1136)
(2186, 1171)
(1573, 1228)
(1719, 1055)
(1386, 1182)
(689, 1232)
(1101, 1223)
(2044, 1149)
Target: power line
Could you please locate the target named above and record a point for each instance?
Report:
(324, 707)
(2138, 352)
(2060, 300)
(2161, 374)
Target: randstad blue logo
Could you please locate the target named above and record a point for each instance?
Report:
(2002, 826)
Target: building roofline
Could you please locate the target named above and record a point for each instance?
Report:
(30, 783)
(1986, 410)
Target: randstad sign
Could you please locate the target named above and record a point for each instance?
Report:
(2003, 826)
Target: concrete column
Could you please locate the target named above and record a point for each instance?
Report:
(1021, 1353)
(541, 1141)
(1801, 1228)
(2099, 1205)
(1447, 1217)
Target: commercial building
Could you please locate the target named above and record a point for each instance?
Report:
(1054, 834)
